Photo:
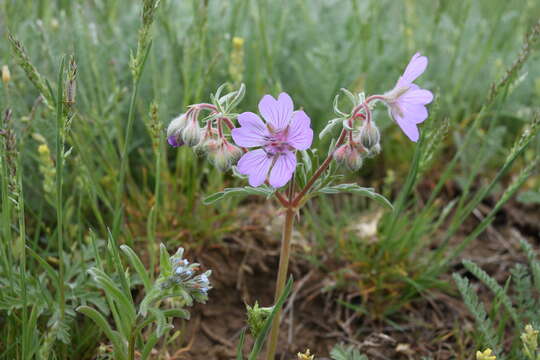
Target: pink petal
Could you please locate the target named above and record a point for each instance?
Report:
(277, 112)
(408, 127)
(252, 132)
(300, 134)
(417, 96)
(255, 164)
(415, 113)
(283, 169)
(417, 65)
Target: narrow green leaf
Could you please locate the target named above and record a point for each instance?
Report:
(165, 267)
(161, 321)
(240, 348)
(136, 262)
(356, 189)
(102, 323)
(124, 302)
(244, 191)
(150, 343)
(177, 313)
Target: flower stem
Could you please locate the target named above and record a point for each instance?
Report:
(282, 277)
(297, 200)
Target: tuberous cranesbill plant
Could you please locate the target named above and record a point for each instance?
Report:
(272, 148)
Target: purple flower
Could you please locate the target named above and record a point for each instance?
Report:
(407, 101)
(284, 131)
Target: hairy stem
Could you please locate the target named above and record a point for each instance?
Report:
(296, 201)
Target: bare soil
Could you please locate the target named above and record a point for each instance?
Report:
(436, 325)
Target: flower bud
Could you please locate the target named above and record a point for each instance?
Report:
(174, 131)
(374, 151)
(369, 135)
(225, 155)
(209, 145)
(256, 317)
(6, 75)
(192, 133)
(349, 156)
(234, 152)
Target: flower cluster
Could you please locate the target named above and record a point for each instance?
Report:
(184, 274)
(307, 355)
(529, 339)
(360, 143)
(274, 140)
(485, 355)
(186, 130)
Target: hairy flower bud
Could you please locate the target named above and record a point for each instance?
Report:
(369, 135)
(374, 151)
(224, 155)
(349, 156)
(174, 131)
(192, 133)
(233, 151)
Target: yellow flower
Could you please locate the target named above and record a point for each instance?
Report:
(530, 340)
(6, 75)
(236, 61)
(486, 355)
(305, 356)
(238, 42)
(43, 149)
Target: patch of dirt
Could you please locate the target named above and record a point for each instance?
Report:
(244, 265)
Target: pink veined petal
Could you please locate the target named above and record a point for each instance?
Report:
(283, 169)
(253, 131)
(256, 165)
(417, 65)
(415, 113)
(277, 112)
(408, 127)
(417, 96)
(300, 135)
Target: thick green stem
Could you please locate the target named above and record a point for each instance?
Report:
(282, 277)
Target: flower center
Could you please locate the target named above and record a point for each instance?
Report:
(393, 96)
(277, 142)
